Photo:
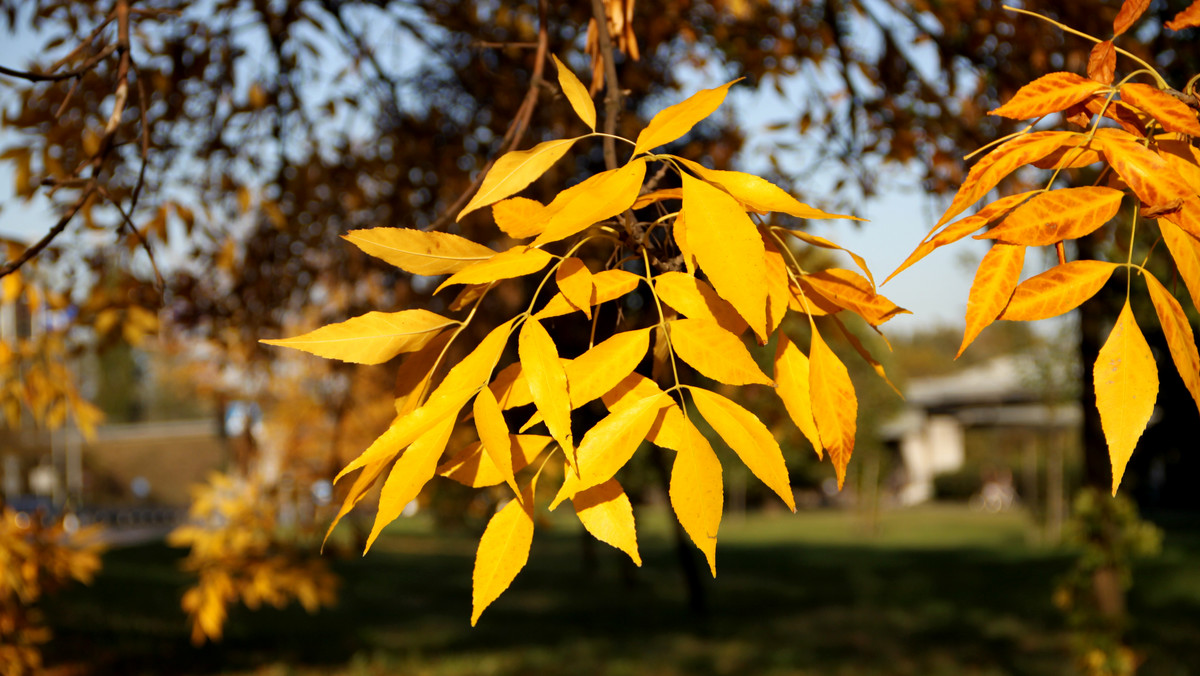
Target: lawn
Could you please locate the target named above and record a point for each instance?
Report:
(930, 591)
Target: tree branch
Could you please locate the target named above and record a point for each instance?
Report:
(28, 254)
(612, 88)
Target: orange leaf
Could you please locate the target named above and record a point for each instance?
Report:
(1070, 157)
(503, 552)
(1186, 251)
(607, 514)
(409, 475)
(1142, 169)
(851, 291)
(1002, 161)
(1057, 215)
(472, 466)
(814, 240)
(1060, 289)
(1185, 215)
(1047, 94)
(1173, 114)
(547, 381)
(998, 274)
(1102, 62)
(575, 284)
(518, 261)
(1178, 332)
(1126, 381)
(697, 492)
(791, 378)
(694, 298)
(520, 217)
(729, 250)
(609, 284)
(1131, 11)
(835, 406)
(715, 352)
(749, 438)
(493, 434)
(1187, 18)
(671, 123)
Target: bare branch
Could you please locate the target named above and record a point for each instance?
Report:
(28, 254)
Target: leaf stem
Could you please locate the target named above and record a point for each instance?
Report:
(662, 325)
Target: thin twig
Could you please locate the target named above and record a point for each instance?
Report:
(26, 255)
(59, 77)
(127, 222)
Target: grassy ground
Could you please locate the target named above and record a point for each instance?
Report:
(924, 592)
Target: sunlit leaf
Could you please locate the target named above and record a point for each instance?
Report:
(516, 170)
(1057, 215)
(413, 469)
(493, 434)
(749, 438)
(600, 197)
(697, 492)
(607, 514)
(416, 374)
(729, 250)
(715, 352)
(1185, 250)
(518, 261)
(372, 338)
(673, 122)
(835, 406)
(609, 284)
(758, 193)
(358, 490)
(473, 467)
(657, 196)
(791, 378)
(814, 240)
(1126, 380)
(503, 552)
(547, 381)
(576, 94)
(1102, 62)
(520, 217)
(693, 297)
(997, 277)
(1178, 332)
(1171, 113)
(1131, 11)
(418, 252)
(669, 428)
(1188, 18)
(1047, 94)
(1060, 289)
(853, 292)
(575, 284)
(1147, 174)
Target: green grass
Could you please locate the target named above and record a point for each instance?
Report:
(924, 592)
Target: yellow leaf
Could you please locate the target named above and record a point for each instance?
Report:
(547, 381)
(598, 198)
(697, 492)
(1060, 289)
(459, 385)
(1173, 114)
(814, 240)
(791, 378)
(780, 288)
(607, 514)
(669, 427)
(520, 217)
(715, 352)
(600, 369)
(610, 444)
(658, 196)
(1178, 333)
(1126, 380)
(503, 552)
(414, 468)
(849, 290)
(729, 250)
(997, 277)
(493, 434)
(472, 466)
(575, 284)
(673, 122)
(414, 376)
(1057, 215)
(1048, 94)
(576, 94)
(758, 193)
(418, 252)
(679, 232)
(372, 338)
(358, 490)
(518, 261)
(610, 285)
(694, 298)
(749, 438)
(11, 288)
(516, 170)
(1186, 252)
(835, 406)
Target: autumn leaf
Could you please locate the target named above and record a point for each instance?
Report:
(1185, 250)
(503, 552)
(606, 513)
(835, 406)
(1146, 173)
(518, 261)
(416, 373)
(791, 378)
(493, 434)
(1102, 62)
(715, 352)
(372, 338)
(409, 475)
(609, 284)
(600, 197)
(418, 252)
(757, 193)
(1178, 332)
(657, 196)
(697, 492)
(473, 467)
(1131, 11)
(547, 381)
(849, 290)
(669, 428)
(1126, 380)
(729, 250)
(576, 94)
(743, 432)
(1047, 94)
(694, 298)
(1173, 114)
(1188, 18)
(575, 284)
(515, 171)
(673, 122)
(358, 490)
(814, 240)
(1060, 289)
(997, 276)
(1057, 215)
(520, 217)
